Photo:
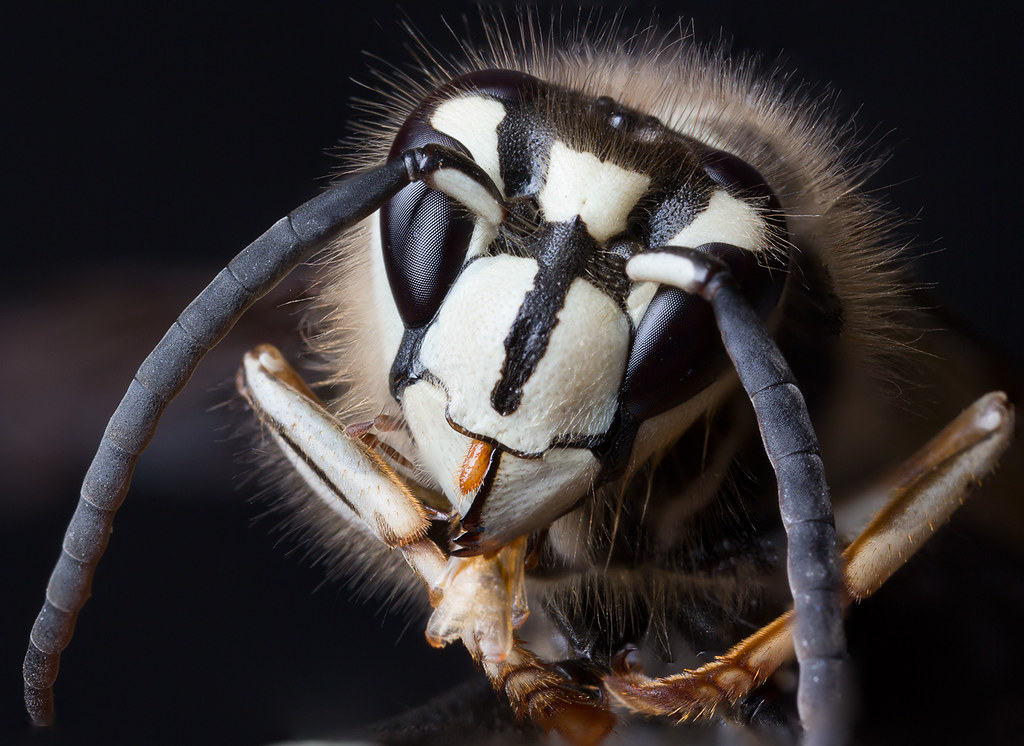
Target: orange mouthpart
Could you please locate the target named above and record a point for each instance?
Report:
(475, 466)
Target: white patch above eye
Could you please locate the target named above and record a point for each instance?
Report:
(725, 220)
(600, 192)
(473, 120)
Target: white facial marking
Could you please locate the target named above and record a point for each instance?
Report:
(525, 491)
(441, 449)
(639, 298)
(573, 389)
(726, 220)
(473, 120)
(465, 346)
(542, 489)
(600, 192)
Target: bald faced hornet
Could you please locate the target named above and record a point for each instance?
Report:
(540, 275)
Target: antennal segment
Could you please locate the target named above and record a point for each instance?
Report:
(249, 276)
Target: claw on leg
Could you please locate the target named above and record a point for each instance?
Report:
(700, 692)
(537, 691)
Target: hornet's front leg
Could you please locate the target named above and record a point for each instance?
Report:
(480, 600)
(475, 599)
(344, 473)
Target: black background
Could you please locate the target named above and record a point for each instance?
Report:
(144, 147)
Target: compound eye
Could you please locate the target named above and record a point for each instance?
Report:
(677, 351)
(425, 233)
(425, 236)
(676, 354)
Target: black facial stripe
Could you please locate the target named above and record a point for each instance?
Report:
(523, 142)
(407, 367)
(565, 250)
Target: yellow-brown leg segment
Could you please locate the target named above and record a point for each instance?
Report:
(700, 692)
(923, 494)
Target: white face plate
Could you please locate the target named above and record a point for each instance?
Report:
(600, 192)
(465, 349)
(465, 346)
